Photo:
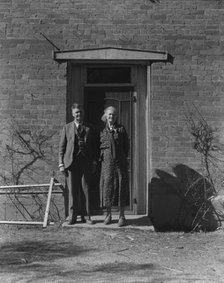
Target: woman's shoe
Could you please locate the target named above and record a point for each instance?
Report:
(108, 220)
(90, 221)
(121, 221)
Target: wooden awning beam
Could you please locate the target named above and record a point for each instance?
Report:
(111, 54)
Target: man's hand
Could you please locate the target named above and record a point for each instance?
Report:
(62, 170)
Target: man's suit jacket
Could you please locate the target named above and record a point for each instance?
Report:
(67, 144)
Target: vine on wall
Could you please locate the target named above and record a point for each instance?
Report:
(26, 152)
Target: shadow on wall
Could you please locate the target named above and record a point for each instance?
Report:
(177, 201)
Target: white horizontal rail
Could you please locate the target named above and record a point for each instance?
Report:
(23, 222)
(29, 193)
(29, 186)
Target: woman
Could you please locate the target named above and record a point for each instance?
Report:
(114, 147)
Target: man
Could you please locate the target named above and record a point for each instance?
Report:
(77, 161)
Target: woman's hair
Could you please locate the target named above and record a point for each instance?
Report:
(103, 118)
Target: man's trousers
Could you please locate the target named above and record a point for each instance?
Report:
(78, 179)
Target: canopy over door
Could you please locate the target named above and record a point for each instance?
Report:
(111, 54)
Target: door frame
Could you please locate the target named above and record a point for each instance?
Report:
(76, 74)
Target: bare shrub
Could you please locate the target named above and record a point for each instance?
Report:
(202, 189)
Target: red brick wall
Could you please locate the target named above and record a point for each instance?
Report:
(33, 86)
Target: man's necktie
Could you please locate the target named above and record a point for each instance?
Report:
(79, 129)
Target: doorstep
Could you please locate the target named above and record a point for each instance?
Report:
(141, 222)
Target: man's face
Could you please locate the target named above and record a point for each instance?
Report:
(77, 114)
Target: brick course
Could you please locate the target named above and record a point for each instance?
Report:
(33, 86)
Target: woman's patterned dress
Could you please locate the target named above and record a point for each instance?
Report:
(114, 147)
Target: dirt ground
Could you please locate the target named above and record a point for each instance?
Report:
(135, 253)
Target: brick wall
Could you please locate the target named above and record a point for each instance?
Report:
(33, 86)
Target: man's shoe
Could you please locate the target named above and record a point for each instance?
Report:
(71, 219)
(121, 221)
(108, 220)
(72, 222)
(83, 220)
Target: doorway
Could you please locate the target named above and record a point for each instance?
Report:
(96, 99)
(124, 86)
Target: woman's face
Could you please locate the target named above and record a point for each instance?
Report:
(111, 116)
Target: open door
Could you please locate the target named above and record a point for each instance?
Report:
(95, 101)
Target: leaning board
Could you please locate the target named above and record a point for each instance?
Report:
(53, 187)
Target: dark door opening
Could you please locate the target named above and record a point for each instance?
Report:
(96, 99)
